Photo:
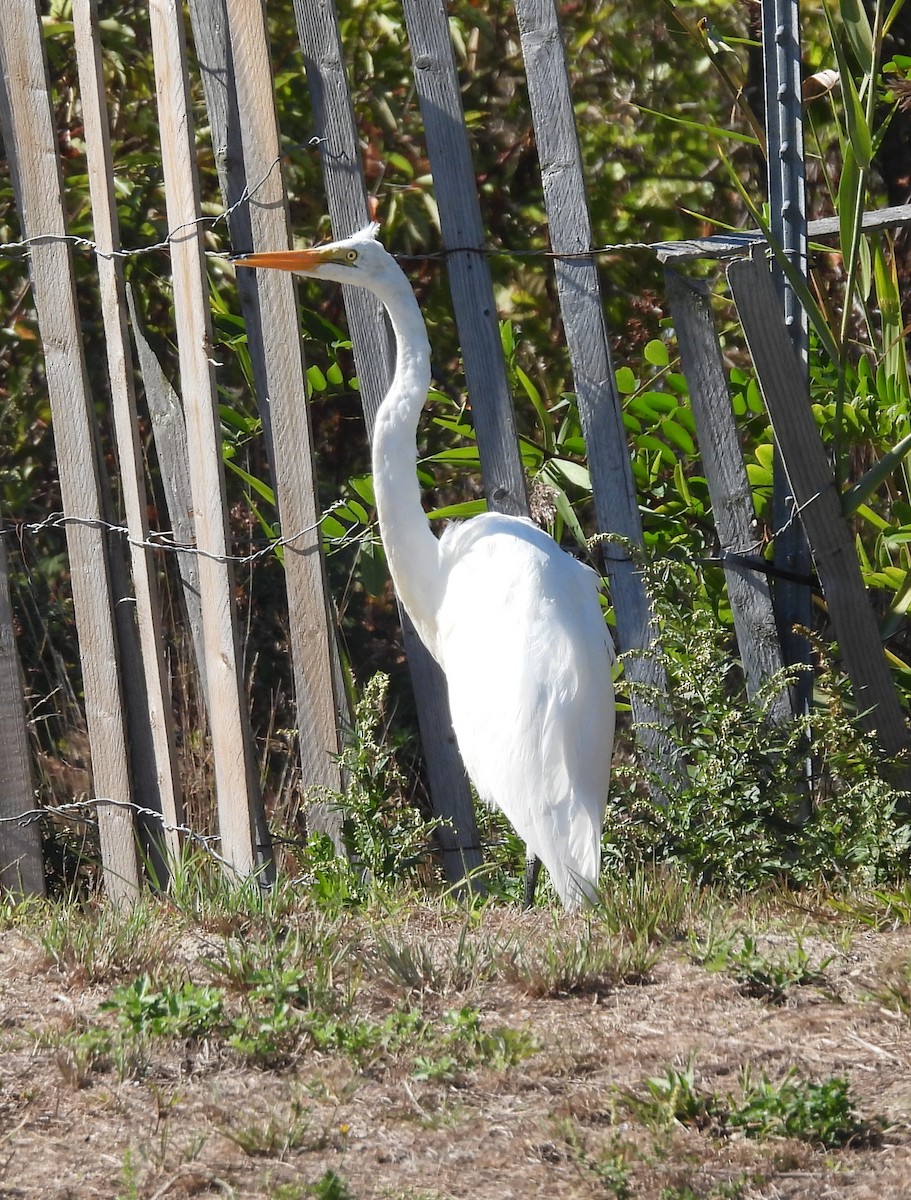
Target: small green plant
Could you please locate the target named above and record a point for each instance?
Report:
(895, 987)
(647, 904)
(386, 839)
(92, 942)
(81, 1053)
(189, 1010)
(276, 1138)
(432, 1052)
(578, 958)
(769, 977)
(744, 819)
(763, 975)
(330, 1186)
(674, 1098)
(822, 1113)
(610, 1169)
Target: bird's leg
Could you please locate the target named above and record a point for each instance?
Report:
(532, 871)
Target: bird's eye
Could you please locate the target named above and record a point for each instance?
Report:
(351, 256)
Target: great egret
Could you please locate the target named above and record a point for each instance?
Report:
(513, 620)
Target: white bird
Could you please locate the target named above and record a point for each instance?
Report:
(513, 620)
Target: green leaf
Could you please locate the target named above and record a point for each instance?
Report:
(626, 381)
(573, 472)
(316, 378)
(674, 432)
(363, 485)
(855, 115)
(858, 31)
(257, 485)
(877, 474)
(453, 512)
(544, 421)
(702, 127)
(656, 353)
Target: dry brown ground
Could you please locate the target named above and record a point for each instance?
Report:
(553, 1127)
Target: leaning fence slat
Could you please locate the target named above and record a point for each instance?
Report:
(169, 432)
(729, 488)
(817, 499)
(236, 779)
(272, 314)
(600, 410)
(317, 23)
(21, 863)
(456, 194)
(32, 148)
(161, 778)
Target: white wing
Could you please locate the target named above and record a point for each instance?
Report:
(527, 657)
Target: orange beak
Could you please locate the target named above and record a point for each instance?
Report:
(282, 260)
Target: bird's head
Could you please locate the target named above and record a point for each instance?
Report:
(359, 260)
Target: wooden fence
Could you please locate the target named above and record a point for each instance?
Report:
(136, 787)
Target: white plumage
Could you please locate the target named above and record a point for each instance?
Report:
(514, 622)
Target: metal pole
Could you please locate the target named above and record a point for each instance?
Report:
(788, 220)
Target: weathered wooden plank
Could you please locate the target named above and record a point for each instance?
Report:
(729, 488)
(726, 245)
(236, 777)
(160, 774)
(273, 324)
(21, 864)
(818, 502)
(169, 432)
(32, 148)
(600, 411)
(209, 21)
(456, 193)
(317, 23)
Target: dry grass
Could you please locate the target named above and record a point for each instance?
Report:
(447, 1055)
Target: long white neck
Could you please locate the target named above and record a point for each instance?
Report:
(412, 551)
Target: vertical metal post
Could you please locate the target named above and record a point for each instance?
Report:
(788, 220)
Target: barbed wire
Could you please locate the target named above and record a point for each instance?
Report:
(79, 241)
(85, 243)
(166, 539)
(75, 810)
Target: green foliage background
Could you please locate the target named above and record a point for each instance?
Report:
(662, 97)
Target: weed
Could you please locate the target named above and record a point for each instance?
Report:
(883, 908)
(418, 968)
(646, 904)
(740, 821)
(770, 978)
(386, 839)
(674, 1098)
(189, 1010)
(282, 1133)
(761, 975)
(330, 1186)
(434, 1053)
(610, 1168)
(895, 992)
(206, 896)
(88, 944)
(821, 1113)
(80, 1054)
(577, 958)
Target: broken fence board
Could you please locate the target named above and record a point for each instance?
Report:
(818, 502)
(729, 487)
